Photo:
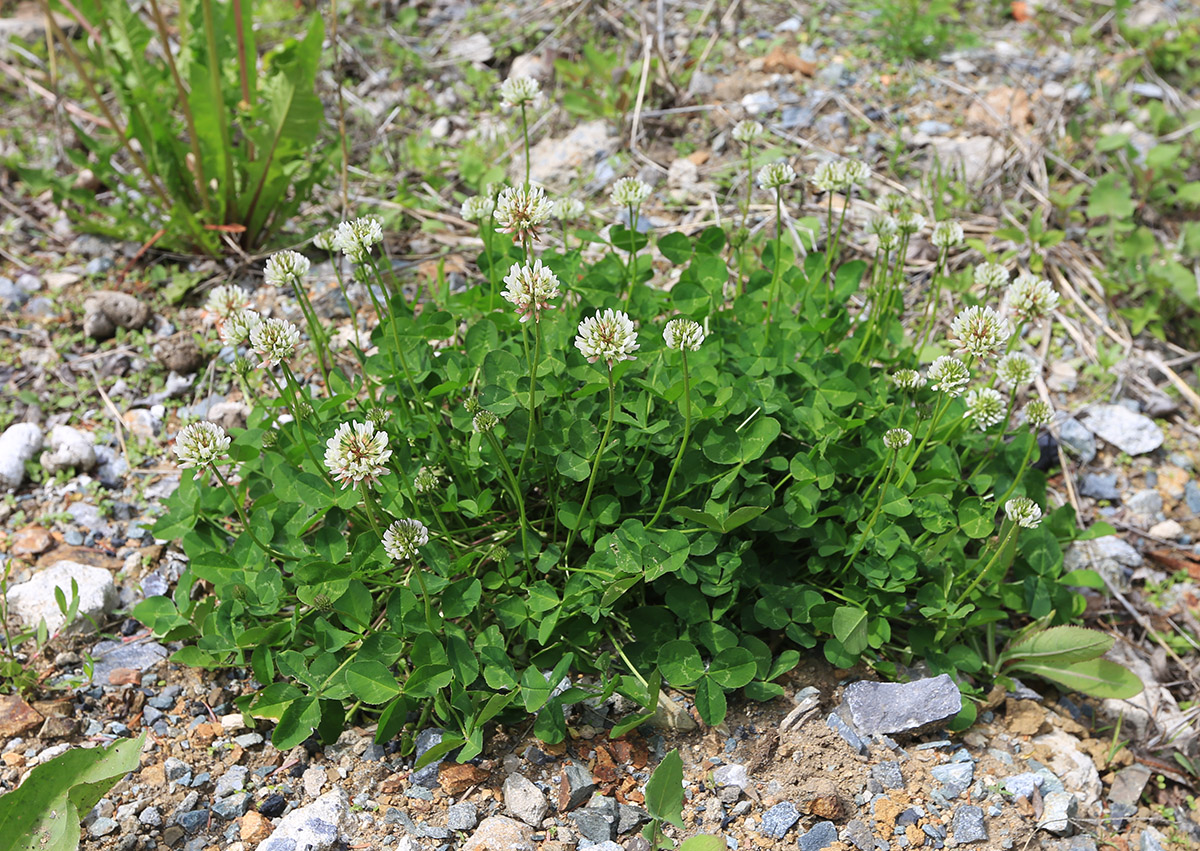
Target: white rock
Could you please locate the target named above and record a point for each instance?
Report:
(978, 156)
(19, 443)
(69, 448)
(316, 827)
(525, 800)
(1074, 768)
(557, 162)
(34, 600)
(474, 48)
(1169, 529)
(1130, 432)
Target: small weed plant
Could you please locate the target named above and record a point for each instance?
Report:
(618, 455)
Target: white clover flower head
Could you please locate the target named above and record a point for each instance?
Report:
(991, 275)
(356, 238)
(519, 91)
(236, 329)
(568, 209)
(1031, 298)
(1038, 413)
(200, 444)
(908, 379)
(897, 438)
(1016, 370)
(629, 192)
(286, 268)
(980, 331)
(484, 421)
(829, 176)
(530, 289)
(889, 242)
(747, 131)
(427, 479)
(892, 203)
(681, 334)
(273, 340)
(326, 240)
(883, 225)
(910, 222)
(946, 234)
(357, 453)
(226, 300)
(855, 173)
(521, 211)
(1023, 511)
(478, 208)
(985, 407)
(949, 375)
(607, 336)
(404, 538)
(776, 175)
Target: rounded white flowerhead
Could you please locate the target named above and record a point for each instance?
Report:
(521, 211)
(530, 289)
(607, 336)
(908, 379)
(683, 334)
(226, 300)
(1016, 370)
(236, 329)
(519, 91)
(897, 438)
(776, 175)
(949, 375)
(326, 240)
(273, 340)
(747, 131)
(855, 173)
(1038, 413)
(357, 453)
(629, 192)
(404, 539)
(883, 225)
(985, 407)
(991, 275)
(427, 479)
(568, 209)
(946, 234)
(200, 444)
(286, 268)
(356, 238)
(1031, 298)
(477, 208)
(484, 421)
(910, 222)
(829, 176)
(979, 331)
(1023, 511)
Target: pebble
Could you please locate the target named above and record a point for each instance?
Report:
(428, 775)
(1099, 486)
(106, 311)
(248, 740)
(888, 775)
(233, 806)
(1147, 90)
(1121, 814)
(177, 771)
(1191, 495)
(102, 827)
(1023, 785)
(859, 835)
(822, 835)
(11, 296)
(835, 723)
(496, 832)
(779, 819)
(34, 601)
(108, 656)
(956, 777)
(1132, 433)
(313, 780)
(18, 444)
(68, 449)
(462, 816)
(1147, 503)
(1058, 813)
(233, 780)
(524, 800)
(892, 708)
(151, 817)
(192, 820)
(314, 827)
(967, 825)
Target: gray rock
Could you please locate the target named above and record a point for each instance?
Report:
(629, 818)
(832, 74)
(1110, 556)
(1151, 840)
(778, 820)
(731, 775)
(524, 800)
(102, 827)
(11, 296)
(110, 655)
(313, 779)
(835, 723)
(594, 824)
(858, 834)
(1077, 439)
(150, 817)
(797, 118)
(954, 776)
(249, 740)
(19, 443)
(1119, 815)
(893, 708)
(462, 816)
(558, 161)
(822, 835)
(233, 780)
(580, 784)
(1191, 495)
(106, 311)
(312, 828)
(1147, 503)
(1023, 785)
(499, 832)
(934, 128)
(1058, 813)
(1147, 90)
(33, 601)
(427, 776)
(192, 820)
(967, 825)
(233, 806)
(69, 449)
(1099, 486)
(1130, 432)
(98, 265)
(888, 775)
(177, 771)
(1074, 843)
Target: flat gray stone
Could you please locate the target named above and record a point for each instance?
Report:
(1151, 840)
(968, 825)
(893, 708)
(580, 784)
(954, 776)
(1058, 813)
(1132, 433)
(462, 816)
(594, 824)
(1109, 556)
(822, 835)
(110, 655)
(1077, 439)
(525, 800)
(888, 775)
(1099, 486)
(835, 723)
(778, 820)
(858, 834)
(315, 827)
(1023, 785)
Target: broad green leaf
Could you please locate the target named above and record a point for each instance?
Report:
(975, 518)
(850, 628)
(297, 723)
(371, 682)
(680, 663)
(732, 668)
(704, 842)
(710, 702)
(664, 790)
(1060, 645)
(1098, 678)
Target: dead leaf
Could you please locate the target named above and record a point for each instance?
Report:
(779, 61)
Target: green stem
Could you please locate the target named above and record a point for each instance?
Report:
(942, 407)
(687, 431)
(777, 267)
(537, 351)
(612, 410)
(866, 532)
(525, 131)
(1020, 471)
(927, 325)
(632, 255)
(314, 329)
(979, 575)
(515, 487)
(241, 512)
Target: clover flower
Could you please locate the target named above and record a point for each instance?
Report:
(355, 239)
(1016, 370)
(949, 375)
(237, 327)
(829, 176)
(855, 173)
(883, 225)
(607, 336)
(629, 192)
(1023, 511)
(908, 379)
(1031, 298)
(991, 275)
(200, 444)
(683, 334)
(356, 453)
(484, 421)
(1038, 413)
(326, 240)
(520, 211)
(568, 209)
(518, 91)
(427, 479)
(530, 289)
(286, 268)
(226, 300)
(985, 407)
(979, 331)
(910, 222)
(404, 538)
(477, 208)
(897, 438)
(747, 131)
(273, 340)
(946, 235)
(776, 175)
